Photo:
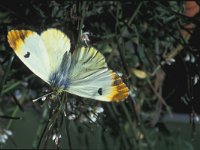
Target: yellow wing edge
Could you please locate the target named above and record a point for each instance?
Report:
(119, 90)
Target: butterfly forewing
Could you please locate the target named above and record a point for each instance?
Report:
(30, 48)
(42, 54)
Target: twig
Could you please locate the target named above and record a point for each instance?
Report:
(3, 80)
(68, 133)
(17, 108)
(157, 94)
(10, 117)
(81, 22)
(42, 135)
(17, 102)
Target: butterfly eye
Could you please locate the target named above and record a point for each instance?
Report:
(27, 55)
(100, 91)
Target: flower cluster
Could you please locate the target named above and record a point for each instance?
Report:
(56, 137)
(4, 135)
(91, 115)
(82, 112)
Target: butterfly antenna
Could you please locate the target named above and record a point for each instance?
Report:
(43, 97)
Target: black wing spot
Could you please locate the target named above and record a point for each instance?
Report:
(100, 91)
(27, 55)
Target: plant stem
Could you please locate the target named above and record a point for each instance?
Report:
(16, 109)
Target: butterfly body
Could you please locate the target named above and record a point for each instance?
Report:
(83, 72)
(60, 78)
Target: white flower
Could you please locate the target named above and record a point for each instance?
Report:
(44, 98)
(93, 117)
(196, 78)
(71, 116)
(193, 59)
(69, 107)
(197, 118)
(18, 94)
(170, 61)
(89, 108)
(56, 138)
(187, 57)
(190, 58)
(4, 135)
(99, 110)
(85, 37)
(132, 94)
(8, 132)
(24, 83)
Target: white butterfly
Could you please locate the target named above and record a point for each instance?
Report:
(83, 72)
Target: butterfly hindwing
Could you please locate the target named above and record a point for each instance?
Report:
(89, 77)
(57, 44)
(86, 61)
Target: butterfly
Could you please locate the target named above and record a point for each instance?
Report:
(84, 72)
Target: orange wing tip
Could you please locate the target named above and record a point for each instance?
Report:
(118, 95)
(119, 90)
(16, 38)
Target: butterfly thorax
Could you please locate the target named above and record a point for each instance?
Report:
(59, 78)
